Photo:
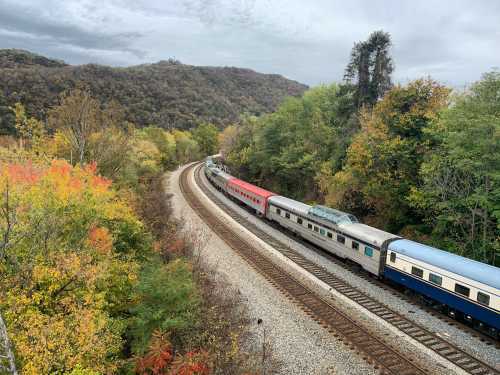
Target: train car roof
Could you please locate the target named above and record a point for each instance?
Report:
(332, 215)
(290, 204)
(471, 269)
(251, 188)
(366, 233)
(223, 174)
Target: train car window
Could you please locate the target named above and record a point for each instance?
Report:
(330, 235)
(299, 220)
(287, 215)
(368, 251)
(355, 245)
(322, 231)
(435, 279)
(340, 239)
(393, 257)
(278, 211)
(483, 298)
(310, 226)
(417, 271)
(316, 229)
(463, 290)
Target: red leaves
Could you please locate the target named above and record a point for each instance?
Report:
(160, 360)
(159, 357)
(192, 363)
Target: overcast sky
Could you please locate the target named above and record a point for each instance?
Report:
(453, 41)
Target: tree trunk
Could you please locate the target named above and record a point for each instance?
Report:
(6, 353)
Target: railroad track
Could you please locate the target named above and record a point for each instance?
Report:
(380, 354)
(445, 349)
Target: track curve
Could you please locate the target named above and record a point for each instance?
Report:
(388, 360)
(443, 348)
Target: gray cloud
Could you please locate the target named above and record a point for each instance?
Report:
(453, 41)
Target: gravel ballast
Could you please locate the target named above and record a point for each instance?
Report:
(461, 338)
(299, 343)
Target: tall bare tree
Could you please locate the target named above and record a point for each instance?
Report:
(77, 117)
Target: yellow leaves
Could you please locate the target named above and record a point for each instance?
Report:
(67, 278)
(60, 342)
(227, 139)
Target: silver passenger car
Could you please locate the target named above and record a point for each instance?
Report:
(334, 231)
(367, 246)
(220, 179)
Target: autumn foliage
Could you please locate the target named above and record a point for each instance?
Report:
(63, 283)
(161, 359)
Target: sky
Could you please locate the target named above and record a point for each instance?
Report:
(452, 41)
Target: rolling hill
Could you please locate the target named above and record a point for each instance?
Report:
(167, 94)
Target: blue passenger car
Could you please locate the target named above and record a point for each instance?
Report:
(466, 286)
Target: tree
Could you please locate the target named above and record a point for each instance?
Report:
(384, 157)
(186, 148)
(7, 360)
(228, 139)
(370, 68)
(7, 119)
(86, 133)
(68, 262)
(164, 141)
(460, 193)
(293, 143)
(206, 135)
(77, 117)
(168, 302)
(29, 129)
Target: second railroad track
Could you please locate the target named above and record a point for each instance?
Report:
(430, 340)
(383, 357)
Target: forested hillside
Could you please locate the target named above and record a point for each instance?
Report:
(96, 276)
(167, 94)
(414, 159)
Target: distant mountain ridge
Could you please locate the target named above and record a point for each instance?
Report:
(167, 94)
(18, 58)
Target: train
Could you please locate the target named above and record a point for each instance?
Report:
(465, 289)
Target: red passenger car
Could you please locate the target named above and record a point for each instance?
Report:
(253, 196)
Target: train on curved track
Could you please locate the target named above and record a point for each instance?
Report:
(463, 288)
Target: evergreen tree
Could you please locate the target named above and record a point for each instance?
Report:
(370, 67)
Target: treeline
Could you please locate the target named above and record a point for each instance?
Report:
(168, 94)
(95, 276)
(413, 159)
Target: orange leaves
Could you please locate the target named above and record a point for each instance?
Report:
(100, 239)
(160, 360)
(63, 177)
(19, 173)
(63, 283)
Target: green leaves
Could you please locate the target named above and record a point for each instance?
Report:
(168, 301)
(384, 157)
(290, 145)
(461, 178)
(206, 137)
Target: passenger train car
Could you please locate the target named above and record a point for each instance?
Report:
(465, 289)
